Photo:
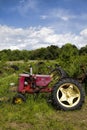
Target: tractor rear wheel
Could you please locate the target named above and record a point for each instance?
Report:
(19, 99)
(68, 94)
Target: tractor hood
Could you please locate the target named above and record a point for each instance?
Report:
(41, 80)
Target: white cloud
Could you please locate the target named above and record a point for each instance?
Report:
(63, 14)
(84, 33)
(36, 37)
(59, 13)
(65, 18)
(43, 17)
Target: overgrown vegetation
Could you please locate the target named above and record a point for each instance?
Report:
(38, 114)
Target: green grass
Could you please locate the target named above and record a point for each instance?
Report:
(36, 114)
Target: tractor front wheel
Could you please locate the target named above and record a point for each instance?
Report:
(68, 94)
(19, 99)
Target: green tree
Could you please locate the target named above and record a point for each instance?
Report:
(83, 50)
(24, 55)
(15, 55)
(68, 51)
(52, 52)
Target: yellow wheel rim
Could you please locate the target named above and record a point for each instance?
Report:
(18, 101)
(68, 95)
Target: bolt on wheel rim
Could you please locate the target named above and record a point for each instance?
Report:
(68, 95)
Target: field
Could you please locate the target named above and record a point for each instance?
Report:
(38, 115)
(35, 114)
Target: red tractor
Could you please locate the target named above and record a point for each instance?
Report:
(66, 93)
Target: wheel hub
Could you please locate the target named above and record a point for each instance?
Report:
(68, 95)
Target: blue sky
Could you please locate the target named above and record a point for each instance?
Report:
(30, 24)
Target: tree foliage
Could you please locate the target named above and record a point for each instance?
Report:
(65, 53)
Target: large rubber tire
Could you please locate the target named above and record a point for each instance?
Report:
(68, 94)
(19, 99)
